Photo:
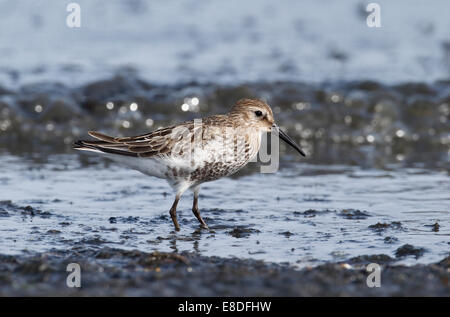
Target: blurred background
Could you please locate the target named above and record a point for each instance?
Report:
(347, 92)
(224, 42)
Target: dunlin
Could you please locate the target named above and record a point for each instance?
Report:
(194, 152)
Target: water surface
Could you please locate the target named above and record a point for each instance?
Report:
(303, 214)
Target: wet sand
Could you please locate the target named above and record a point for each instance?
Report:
(114, 272)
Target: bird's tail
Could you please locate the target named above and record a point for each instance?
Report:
(103, 144)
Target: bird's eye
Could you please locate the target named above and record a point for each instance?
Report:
(258, 113)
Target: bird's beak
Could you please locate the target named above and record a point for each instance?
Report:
(286, 138)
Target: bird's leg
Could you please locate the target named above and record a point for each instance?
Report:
(173, 212)
(195, 209)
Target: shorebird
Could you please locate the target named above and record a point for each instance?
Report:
(196, 151)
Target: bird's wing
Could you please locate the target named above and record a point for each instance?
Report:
(164, 141)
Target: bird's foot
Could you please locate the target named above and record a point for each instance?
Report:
(204, 226)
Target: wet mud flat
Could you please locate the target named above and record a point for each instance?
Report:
(375, 182)
(115, 272)
(320, 214)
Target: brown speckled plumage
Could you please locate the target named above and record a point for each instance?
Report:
(192, 152)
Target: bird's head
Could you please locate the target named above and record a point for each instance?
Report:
(257, 114)
(253, 113)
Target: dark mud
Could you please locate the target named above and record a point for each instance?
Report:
(409, 250)
(106, 271)
(381, 227)
(7, 207)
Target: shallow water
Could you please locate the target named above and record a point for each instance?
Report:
(304, 214)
